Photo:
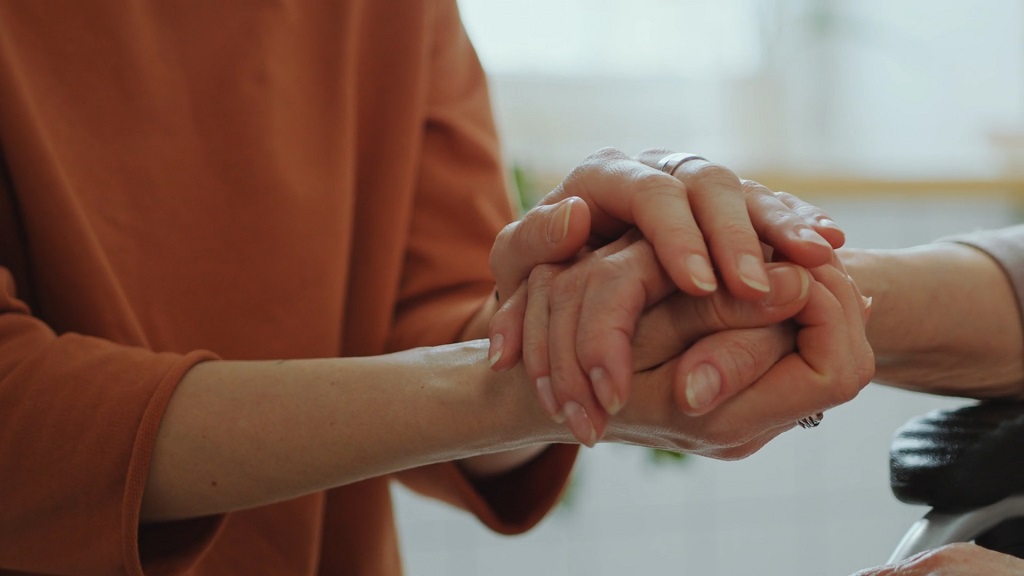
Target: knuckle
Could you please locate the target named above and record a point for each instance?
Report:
(654, 153)
(753, 188)
(718, 174)
(566, 287)
(655, 183)
(605, 154)
(542, 276)
(609, 271)
(787, 198)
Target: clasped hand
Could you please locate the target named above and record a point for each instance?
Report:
(610, 294)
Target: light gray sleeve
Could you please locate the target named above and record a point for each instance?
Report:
(1006, 247)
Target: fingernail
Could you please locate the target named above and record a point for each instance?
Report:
(752, 273)
(701, 272)
(547, 399)
(604, 390)
(495, 349)
(702, 386)
(558, 225)
(808, 235)
(827, 222)
(788, 283)
(867, 307)
(580, 424)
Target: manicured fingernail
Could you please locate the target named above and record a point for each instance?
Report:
(808, 235)
(580, 424)
(752, 273)
(547, 399)
(701, 272)
(495, 349)
(558, 225)
(604, 390)
(788, 283)
(703, 385)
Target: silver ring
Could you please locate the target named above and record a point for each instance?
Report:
(669, 164)
(810, 421)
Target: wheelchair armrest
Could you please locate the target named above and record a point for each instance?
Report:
(959, 459)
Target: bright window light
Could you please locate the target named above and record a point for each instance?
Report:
(680, 38)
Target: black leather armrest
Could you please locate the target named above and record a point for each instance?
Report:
(959, 459)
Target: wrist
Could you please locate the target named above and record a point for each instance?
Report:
(501, 407)
(942, 319)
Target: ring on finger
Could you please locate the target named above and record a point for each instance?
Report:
(669, 164)
(811, 421)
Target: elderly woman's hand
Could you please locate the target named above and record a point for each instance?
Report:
(770, 377)
(953, 560)
(579, 319)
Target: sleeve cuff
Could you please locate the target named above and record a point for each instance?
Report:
(169, 547)
(511, 503)
(1006, 247)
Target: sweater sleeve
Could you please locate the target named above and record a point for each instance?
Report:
(460, 207)
(1006, 247)
(78, 419)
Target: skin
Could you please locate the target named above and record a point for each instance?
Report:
(239, 434)
(242, 434)
(948, 341)
(963, 339)
(583, 387)
(952, 560)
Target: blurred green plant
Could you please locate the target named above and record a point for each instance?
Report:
(524, 189)
(666, 456)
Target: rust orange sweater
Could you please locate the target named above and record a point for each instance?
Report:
(186, 181)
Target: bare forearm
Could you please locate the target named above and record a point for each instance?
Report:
(242, 434)
(944, 319)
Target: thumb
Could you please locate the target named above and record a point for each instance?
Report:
(723, 364)
(545, 235)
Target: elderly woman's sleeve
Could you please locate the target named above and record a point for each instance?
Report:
(1006, 247)
(461, 205)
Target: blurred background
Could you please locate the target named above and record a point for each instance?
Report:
(902, 118)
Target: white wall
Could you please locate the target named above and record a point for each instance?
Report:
(907, 88)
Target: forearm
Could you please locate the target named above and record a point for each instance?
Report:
(944, 319)
(243, 434)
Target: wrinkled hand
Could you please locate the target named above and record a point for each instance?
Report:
(573, 324)
(953, 560)
(694, 217)
(769, 377)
